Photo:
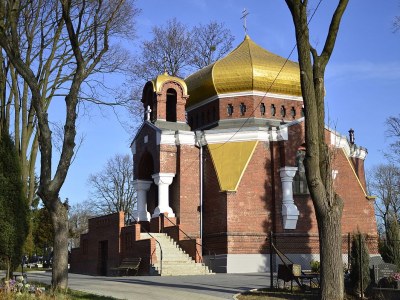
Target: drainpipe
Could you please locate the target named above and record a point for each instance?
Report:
(199, 136)
(201, 194)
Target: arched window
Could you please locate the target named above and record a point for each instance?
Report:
(273, 110)
(293, 112)
(171, 105)
(283, 111)
(262, 109)
(300, 181)
(229, 109)
(243, 109)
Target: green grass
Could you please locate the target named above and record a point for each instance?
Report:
(19, 269)
(48, 295)
(279, 294)
(73, 294)
(276, 294)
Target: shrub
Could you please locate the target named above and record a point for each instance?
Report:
(315, 266)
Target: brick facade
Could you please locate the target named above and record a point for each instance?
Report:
(236, 224)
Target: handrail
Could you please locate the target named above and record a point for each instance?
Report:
(202, 247)
(161, 252)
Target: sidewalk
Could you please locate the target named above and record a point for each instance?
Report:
(218, 286)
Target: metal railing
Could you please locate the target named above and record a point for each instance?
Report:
(202, 247)
(161, 251)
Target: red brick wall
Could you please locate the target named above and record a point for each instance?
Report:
(180, 105)
(187, 190)
(214, 209)
(252, 104)
(250, 208)
(86, 260)
(358, 212)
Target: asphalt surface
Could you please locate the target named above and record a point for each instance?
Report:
(218, 286)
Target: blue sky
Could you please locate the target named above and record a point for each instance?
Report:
(362, 78)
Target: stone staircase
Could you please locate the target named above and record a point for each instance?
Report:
(175, 261)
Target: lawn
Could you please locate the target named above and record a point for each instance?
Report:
(47, 295)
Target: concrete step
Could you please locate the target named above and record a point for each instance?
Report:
(174, 260)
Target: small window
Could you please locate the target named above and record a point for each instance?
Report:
(273, 110)
(243, 109)
(208, 116)
(300, 181)
(229, 109)
(302, 111)
(214, 113)
(283, 111)
(203, 118)
(293, 112)
(262, 109)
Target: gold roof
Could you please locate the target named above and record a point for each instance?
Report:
(159, 81)
(247, 68)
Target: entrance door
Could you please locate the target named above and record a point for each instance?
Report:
(103, 258)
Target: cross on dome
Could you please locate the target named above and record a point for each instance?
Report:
(245, 13)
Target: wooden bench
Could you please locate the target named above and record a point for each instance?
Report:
(127, 264)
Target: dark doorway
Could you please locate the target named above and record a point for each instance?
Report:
(103, 258)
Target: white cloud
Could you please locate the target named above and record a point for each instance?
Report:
(362, 70)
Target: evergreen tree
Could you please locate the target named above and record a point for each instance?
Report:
(390, 250)
(359, 259)
(14, 212)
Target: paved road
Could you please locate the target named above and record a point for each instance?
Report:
(218, 286)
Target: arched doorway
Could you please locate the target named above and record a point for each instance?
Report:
(171, 105)
(146, 169)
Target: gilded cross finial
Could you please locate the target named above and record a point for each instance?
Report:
(245, 13)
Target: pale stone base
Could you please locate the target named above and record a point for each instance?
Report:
(257, 263)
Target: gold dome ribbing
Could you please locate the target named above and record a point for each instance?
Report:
(247, 68)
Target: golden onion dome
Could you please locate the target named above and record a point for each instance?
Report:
(159, 81)
(247, 68)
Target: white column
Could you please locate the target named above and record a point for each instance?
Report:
(142, 187)
(163, 180)
(290, 213)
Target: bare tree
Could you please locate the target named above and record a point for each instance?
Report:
(86, 28)
(178, 50)
(43, 44)
(78, 216)
(328, 205)
(168, 50)
(384, 182)
(396, 23)
(210, 42)
(112, 188)
(393, 133)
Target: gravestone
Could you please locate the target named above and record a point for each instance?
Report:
(383, 270)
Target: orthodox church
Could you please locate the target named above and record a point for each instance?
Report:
(219, 160)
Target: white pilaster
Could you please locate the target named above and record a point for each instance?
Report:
(290, 213)
(142, 187)
(163, 180)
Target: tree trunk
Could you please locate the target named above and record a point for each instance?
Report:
(328, 205)
(59, 217)
(330, 243)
